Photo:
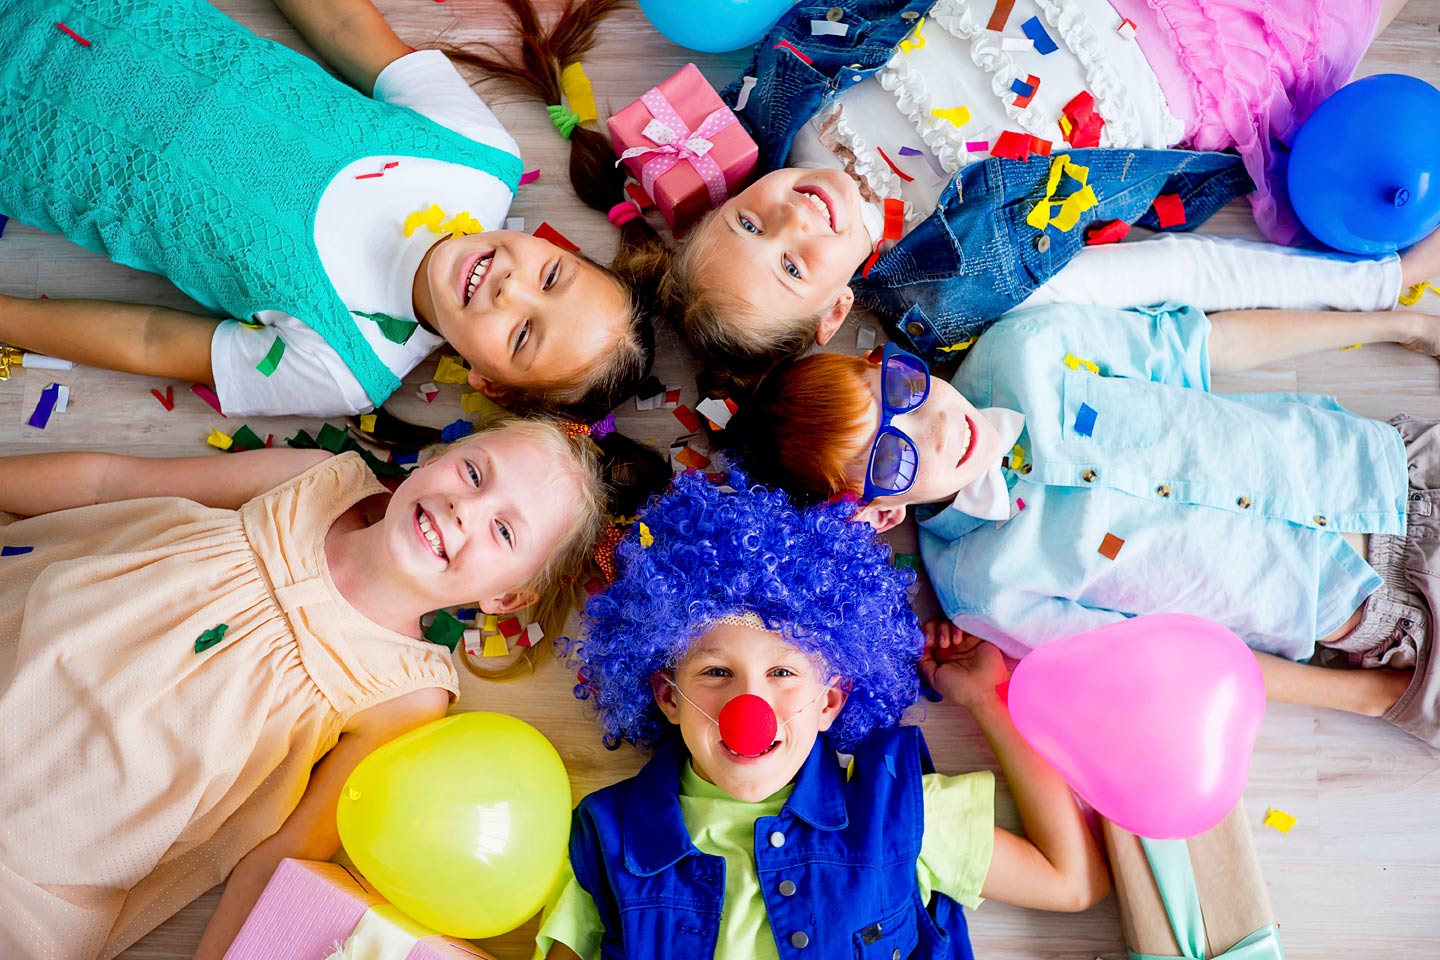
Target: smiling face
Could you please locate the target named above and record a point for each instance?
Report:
(519, 309)
(789, 243)
(732, 659)
(480, 520)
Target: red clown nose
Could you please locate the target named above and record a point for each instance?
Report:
(747, 725)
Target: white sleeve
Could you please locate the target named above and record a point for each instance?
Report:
(1221, 273)
(310, 379)
(428, 83)
(1018, 622)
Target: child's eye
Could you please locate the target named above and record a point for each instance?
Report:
(552, 276)
(522, 339)
(715, 672)
(504, 530)
(783, 672)
(791, 269)
(747, 225)
(474, 474)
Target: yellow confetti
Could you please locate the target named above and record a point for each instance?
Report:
(491, 623)
(1353, 346)
(1065, 127)
(1075, 363)
(251, 324)
(495, 646)
(476, 403)
(959, 116)
(367, 423)
(647, 539)
(1070, 210)
(850, 770)
(917, 42)
(451, 370)
(218, 440)
(429, 219)
(578, 92)
(1279, 819)
(462, 225)
(1412, 296)
(1044, 213)
(965, 344)
(1017, 457)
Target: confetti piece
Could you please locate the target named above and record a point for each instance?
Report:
(1022, 89)
(491, 622)
(430, 219)
(451, 369)
(1016, 44)
(1412, 296)
(1011, 146)
(1040, 146)
(495, 646)
(687, 417)
(509, 627)
(1019, 504)
(786, 45)
(717, 411)
(45, 406)
(891, 163)
(14, 551)
(476, 403)
(1017, 457)
(910, 152)
(371, 176)
(549, 233)
(958, 116)
(865, 337)
(62, 399)
(1279, 819)
(1110, 546)
(271, 360)
(210, 637)
(392, 328)
(907, 561)
(647, 539)
(446, 630)
(167, 399)
(690, 459)
(1000, 15)
(578, 92)
(1085, 420)
(427, 392)
(828, 28)
(1075, 363)
(1169, 210)
(456, 430)
(915, 41)
(73, 35)
(205, 393)
(965, 344)
(405, 458)
(474, 641)
(532, 635)
(747, 84)
(672, 398)
(1112, 232)
(1353, 346)
(1035, 30)
(245, 439)
(367, 423)
(467, 613)
(1126, 29)
(461, 225)
(977, 146)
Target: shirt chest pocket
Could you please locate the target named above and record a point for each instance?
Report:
(1114, 412)
(891, 938)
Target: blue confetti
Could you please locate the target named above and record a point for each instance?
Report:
(1085, 420)
(14, 551)
(405, 459)
(454, 431)
(1021, 88)
(890, 763)
(467, 613)
(1035, 30)
(3, 220)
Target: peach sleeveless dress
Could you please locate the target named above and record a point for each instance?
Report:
(134, 771)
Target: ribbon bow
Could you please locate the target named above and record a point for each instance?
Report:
(674, 142)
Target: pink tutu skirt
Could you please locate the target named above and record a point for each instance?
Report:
(1246, 73)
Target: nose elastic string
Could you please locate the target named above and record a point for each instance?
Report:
(806, 706)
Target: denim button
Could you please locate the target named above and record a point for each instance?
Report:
(799, 939)
(1243, 503)
(895, 954)
(777, 839)
(914, 328)
(1088, 476)
(1042, 242)
(1321, 521)
(1026, 469)
(1163, 490)
(787, 888)
(834, 14)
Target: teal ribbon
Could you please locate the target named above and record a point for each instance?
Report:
(1175, 878)
(564, 119)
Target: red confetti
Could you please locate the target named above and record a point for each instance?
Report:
(898, 172)
(167, 399)
(73, 35)
(1040, 147)
(529, 177)
(509, 628)
(687, 417)
(1170, 210)
(1001, 14)
(1112, 232)
(547, 232)
(638, 194)
(1034, 84)
(894, 219)
(788, 46)
(1012, 146)
(370, 176)
(205, 393)
(1085, 123)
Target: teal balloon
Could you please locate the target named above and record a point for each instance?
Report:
(714, 26)
(1364, 173)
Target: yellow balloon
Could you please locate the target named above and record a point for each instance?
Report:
(463, 823)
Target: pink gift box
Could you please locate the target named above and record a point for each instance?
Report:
(308, 907)
(686, 148)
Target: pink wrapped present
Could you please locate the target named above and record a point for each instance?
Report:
(686, 148)
(318, 911)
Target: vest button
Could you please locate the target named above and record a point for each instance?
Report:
(1320, 521)
(914, 328)
(909, 15)
(777, 839)
(799, 939)
(1042, 242)
(1163, 490)
(895, 954)
(787, 888)
(1088, 476)
(1243, 503)
(1026, 468)
(834, 14)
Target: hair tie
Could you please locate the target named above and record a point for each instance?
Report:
(598, 430)
(564, 119)
(623, 212)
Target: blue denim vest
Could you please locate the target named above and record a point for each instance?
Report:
(849, 847)
(968, 262)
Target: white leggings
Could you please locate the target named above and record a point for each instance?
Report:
(1221, 273)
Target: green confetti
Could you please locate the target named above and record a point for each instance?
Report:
(271, 360)
(381, 468)
(210, 637)
(245, 439)
(332, 438)
(446, 630)
(907, 561)
(391, 328)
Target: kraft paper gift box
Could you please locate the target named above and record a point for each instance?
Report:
(1214, 903)
(315, 911)
(685, 146)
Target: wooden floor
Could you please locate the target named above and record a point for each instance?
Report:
(1359, 876)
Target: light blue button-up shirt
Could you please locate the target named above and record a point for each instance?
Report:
(1230, 506)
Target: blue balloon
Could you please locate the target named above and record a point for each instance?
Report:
(1364, 174)
(714, 26)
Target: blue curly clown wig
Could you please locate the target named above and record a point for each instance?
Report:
(826, 585)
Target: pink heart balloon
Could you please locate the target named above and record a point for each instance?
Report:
(1150, 719)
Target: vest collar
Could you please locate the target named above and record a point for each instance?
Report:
(655, 837)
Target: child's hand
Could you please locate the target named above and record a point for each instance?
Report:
(961, 667)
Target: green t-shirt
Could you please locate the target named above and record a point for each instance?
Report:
(954, 859)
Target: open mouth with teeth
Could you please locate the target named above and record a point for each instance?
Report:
(969, 441)
(820, 202)
(749, 756)
(474, 275)
(425, 526)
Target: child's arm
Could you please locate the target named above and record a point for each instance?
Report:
(39, 483)
(350, 35)
(309, 833)
(129, 337)
(1057, 865)
(1241, 339)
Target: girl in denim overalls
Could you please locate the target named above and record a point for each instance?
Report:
(753, 837)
